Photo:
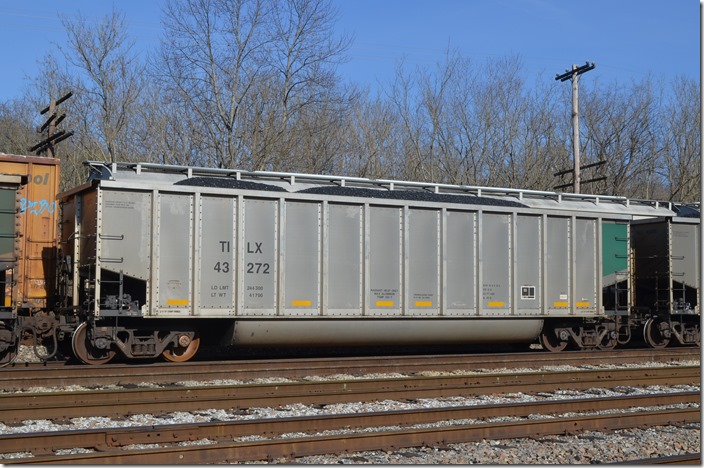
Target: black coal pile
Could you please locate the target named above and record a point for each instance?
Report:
(684, 211)
(413, 195)
(222, 182)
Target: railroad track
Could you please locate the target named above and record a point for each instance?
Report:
(108, 439)
(20, 376)
(685, 459)
(125, 401)
(223, 445)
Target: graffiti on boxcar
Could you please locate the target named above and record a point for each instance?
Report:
(37, 207)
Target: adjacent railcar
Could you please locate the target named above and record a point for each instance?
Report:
(37, 216)
(667, 278)
(157, 258)
(28, 264)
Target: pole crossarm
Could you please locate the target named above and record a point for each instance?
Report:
(587, 166)
(569, 74)
(54, 136)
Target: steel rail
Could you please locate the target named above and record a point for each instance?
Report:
(684, 459)
(53, 405)
(37, 375)
(291, 448)
(104, 439)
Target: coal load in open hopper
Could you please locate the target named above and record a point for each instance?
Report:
(412, 195)
(221, 182)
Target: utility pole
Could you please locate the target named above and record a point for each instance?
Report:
(573, 75)
(53, 137)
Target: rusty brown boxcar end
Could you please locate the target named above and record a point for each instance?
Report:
(37, 224)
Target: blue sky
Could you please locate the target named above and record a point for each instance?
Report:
(627, 39)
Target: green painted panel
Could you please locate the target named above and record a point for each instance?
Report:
(7, 226)
(614, 248)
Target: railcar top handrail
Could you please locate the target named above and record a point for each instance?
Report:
(520, 194)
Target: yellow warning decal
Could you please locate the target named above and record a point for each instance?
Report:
(496, 304)
(560, 304)
(301, 303)
(8, 302)
(582, 304)
(384, 303)
(424, 304)
(177, 302)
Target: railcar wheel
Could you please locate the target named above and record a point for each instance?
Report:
(551, 341)
(9, 355)
(608, 341)
(186, 349)
(607, 344)
(85, 351)
(657, 333)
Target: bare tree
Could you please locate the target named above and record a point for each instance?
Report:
(109, 80)
(470, 117)
(304, 53)
(681, 123)
(542, 138)
(164, 131)
(244, 69)
(621, 130)
(372, 144)
(470, 124)
(16, 122)
(208, 62)
(410, 125)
